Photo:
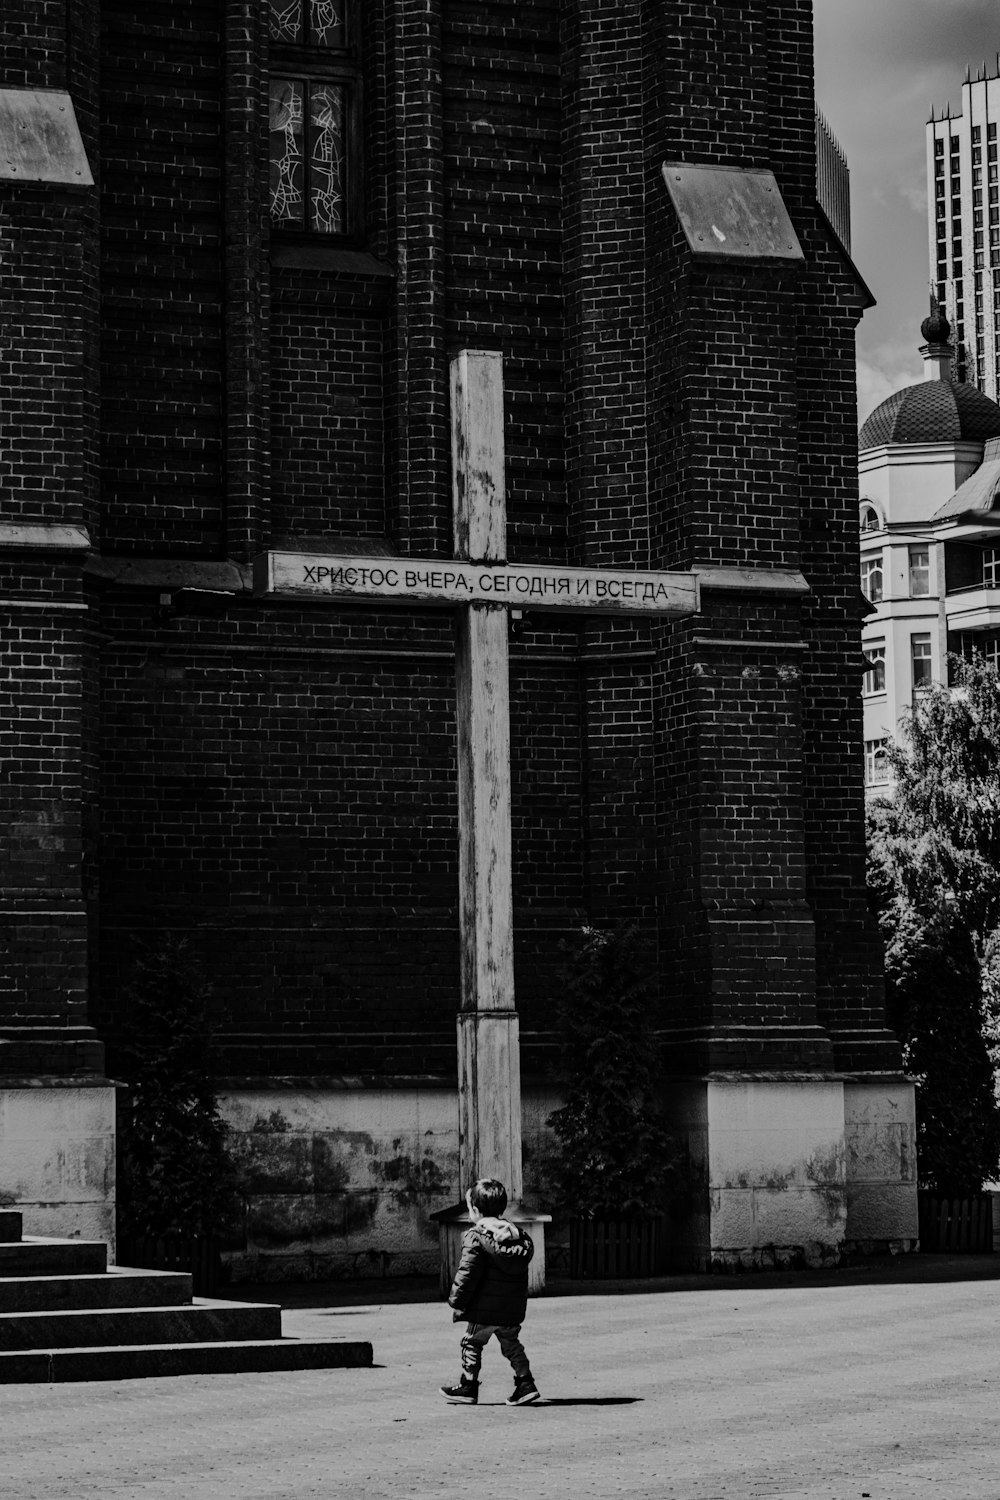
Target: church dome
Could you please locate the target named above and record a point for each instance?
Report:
(933, 411)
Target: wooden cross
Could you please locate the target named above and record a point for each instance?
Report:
(481, 586)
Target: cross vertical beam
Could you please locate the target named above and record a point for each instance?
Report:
(489, 1076)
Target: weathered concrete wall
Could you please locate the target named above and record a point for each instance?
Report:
(57, 1159)
(341, 1182)
(880, 1132)
(796, 1171)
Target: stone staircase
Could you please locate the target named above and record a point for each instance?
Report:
(66, 1315)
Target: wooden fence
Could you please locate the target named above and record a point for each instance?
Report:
(198, 1254)
(961, 1225)
(611, 1247)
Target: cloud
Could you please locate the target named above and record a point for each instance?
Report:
(880, 66)
(916, 196)
(878, 376)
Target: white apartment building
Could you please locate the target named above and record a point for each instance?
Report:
(929, 471)
(963, 199)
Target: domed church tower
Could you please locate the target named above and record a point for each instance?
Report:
(917, 451)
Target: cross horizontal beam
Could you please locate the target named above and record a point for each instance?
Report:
(410, 580)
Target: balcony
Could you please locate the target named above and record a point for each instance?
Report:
(976, 607)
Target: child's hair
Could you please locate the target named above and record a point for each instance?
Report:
(489, 1196)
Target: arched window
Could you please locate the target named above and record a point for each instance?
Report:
(870, 518)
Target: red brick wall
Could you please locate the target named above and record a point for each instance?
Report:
(162, 323)
(278, 781)
(48, 478)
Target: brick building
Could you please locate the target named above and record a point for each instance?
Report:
(237, 341)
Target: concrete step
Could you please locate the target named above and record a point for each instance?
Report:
(38, 1256)
(10, 1225)
(139, 1362)
(120, 1286)
(199, 1323)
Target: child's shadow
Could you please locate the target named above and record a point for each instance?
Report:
(587, 1401)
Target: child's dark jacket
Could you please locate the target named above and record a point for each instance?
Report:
(491, 1283)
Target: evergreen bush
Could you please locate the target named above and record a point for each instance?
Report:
(175, 1172)
(615, 1158)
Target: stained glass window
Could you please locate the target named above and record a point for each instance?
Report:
(314, 115)
(307, 154)
(311, 23)
(326, 23)
(286, 20)
(287, 163)
(326, 157)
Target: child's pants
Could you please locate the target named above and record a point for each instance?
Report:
(476, 1339)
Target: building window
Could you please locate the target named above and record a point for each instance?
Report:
(970, 643)
(991, 567)
(920, 572)
(311, 23)
(977, 134)
(874, 678)
(314, 135)
(870, 519)
(920, 658)
(308, 166)
(876, 763)
(871, 578)
(939, 147)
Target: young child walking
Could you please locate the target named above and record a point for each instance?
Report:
(490, 1293)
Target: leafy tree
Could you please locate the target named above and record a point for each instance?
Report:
(616, 1158)
(934, 875)
(174, 1168)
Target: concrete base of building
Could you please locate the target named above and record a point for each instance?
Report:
(795, 1169)
(57, 1156)
(343, 1179)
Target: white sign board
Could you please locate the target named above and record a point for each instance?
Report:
(409, 580)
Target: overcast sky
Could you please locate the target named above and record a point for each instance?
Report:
(880, 66)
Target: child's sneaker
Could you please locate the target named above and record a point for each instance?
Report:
(466, 1393)
(525, 1391)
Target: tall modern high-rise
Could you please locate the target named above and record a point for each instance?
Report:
(963, 197)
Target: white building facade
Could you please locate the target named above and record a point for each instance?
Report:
(929, 466)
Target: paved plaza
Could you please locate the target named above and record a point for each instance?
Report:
(862, 1384)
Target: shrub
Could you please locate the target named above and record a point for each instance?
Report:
(615, 1157)
(174, 1168)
